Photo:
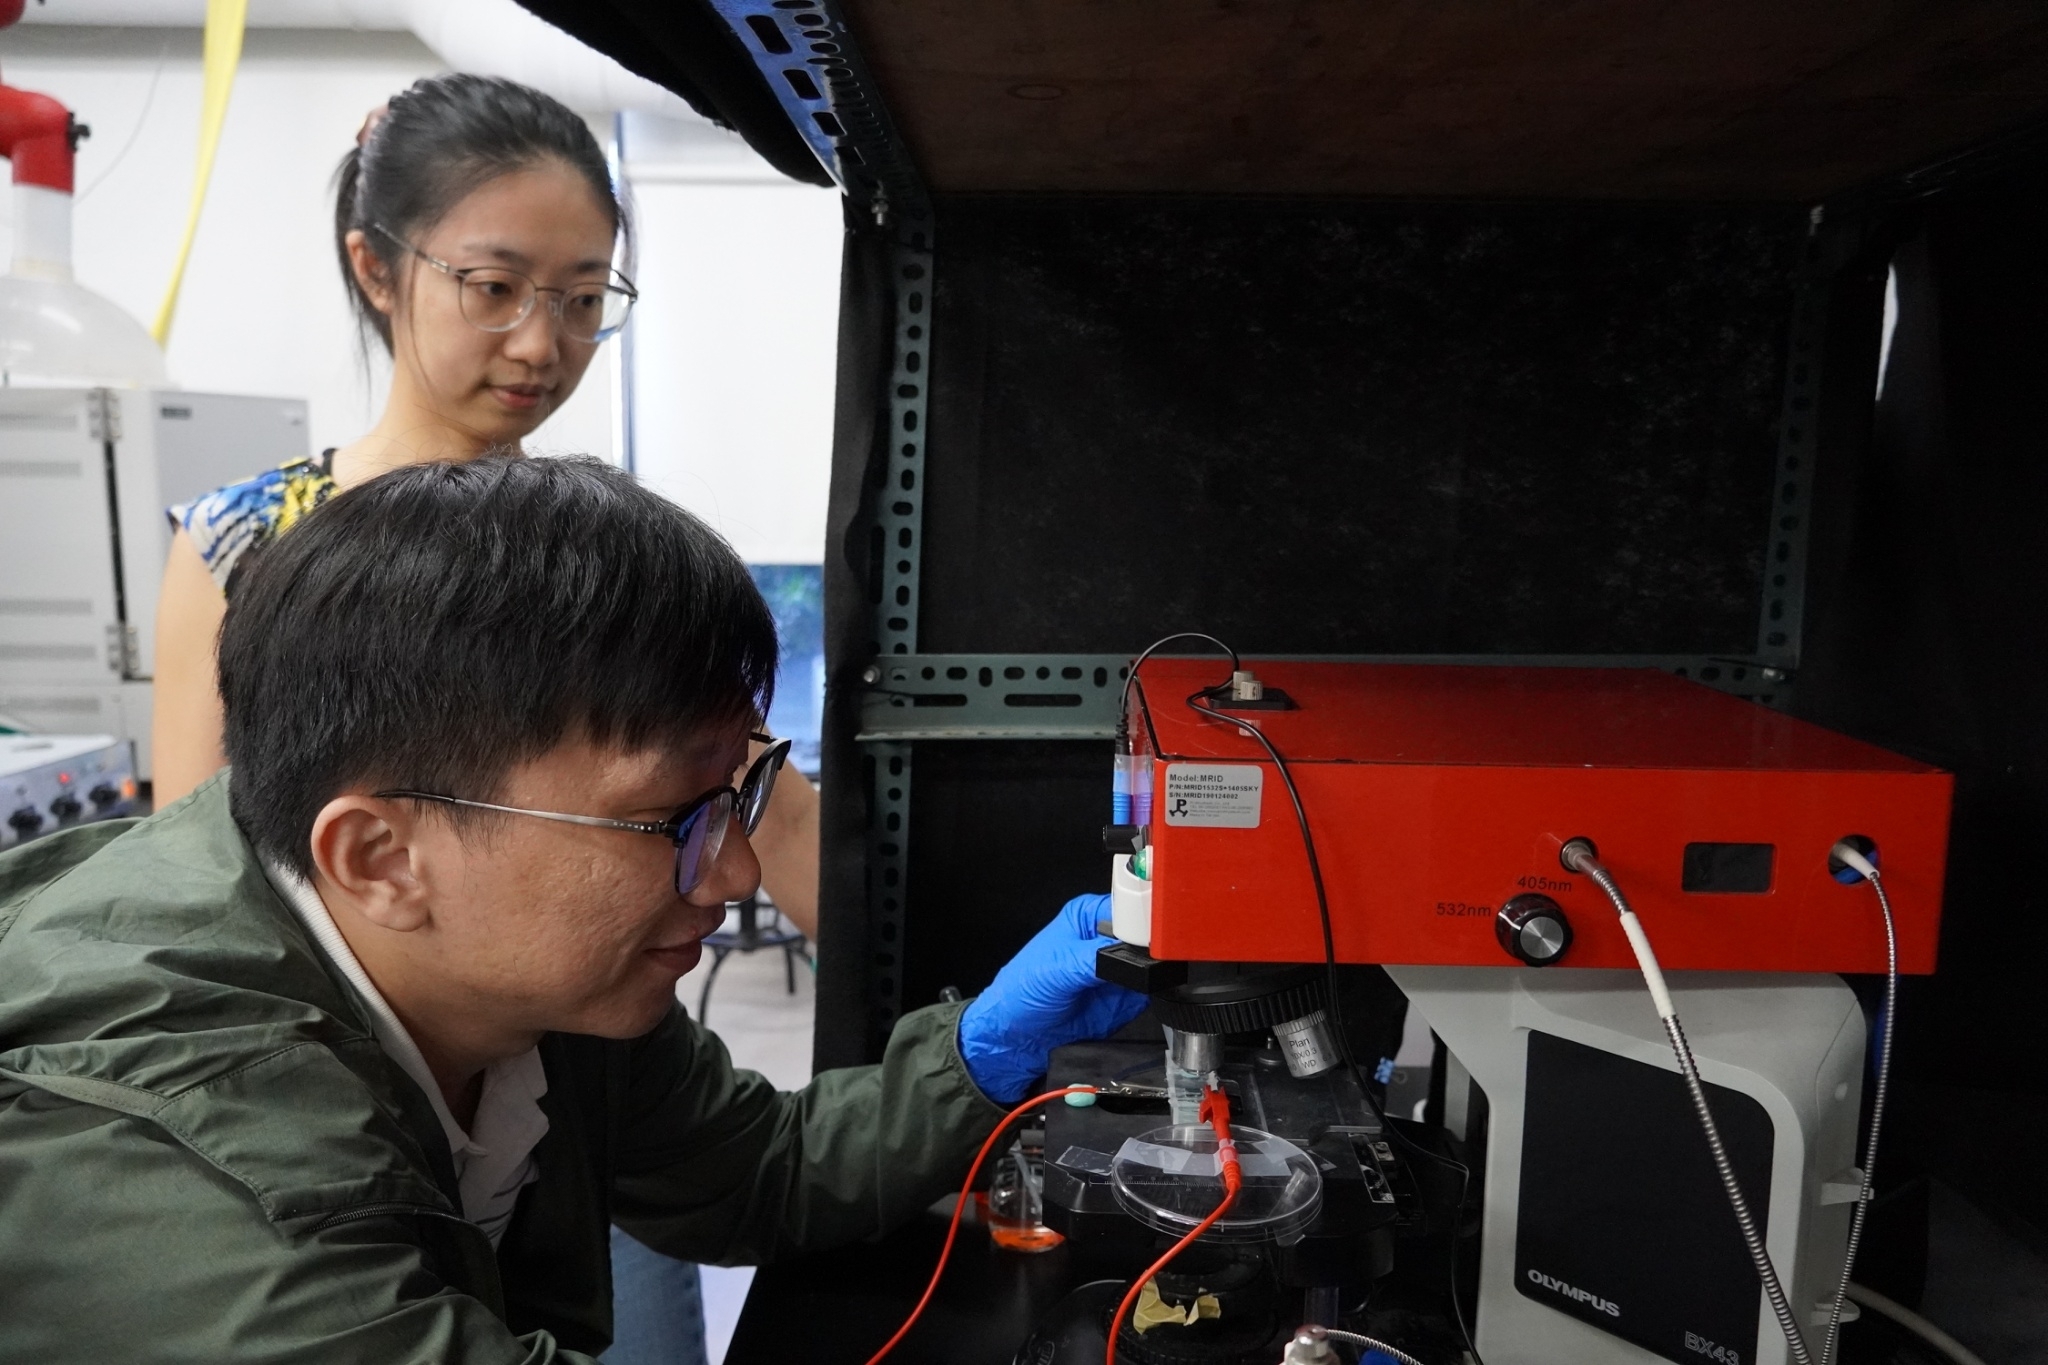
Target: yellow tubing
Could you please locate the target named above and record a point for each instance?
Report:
(225, 21)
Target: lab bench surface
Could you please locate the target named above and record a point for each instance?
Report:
(837, 1308)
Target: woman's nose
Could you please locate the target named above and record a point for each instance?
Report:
(536, 340)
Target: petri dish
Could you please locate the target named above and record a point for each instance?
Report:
(1170, 1179)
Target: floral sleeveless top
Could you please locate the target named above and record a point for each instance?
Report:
(229, 522)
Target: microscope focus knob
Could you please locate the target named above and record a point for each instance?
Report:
(1534, 929)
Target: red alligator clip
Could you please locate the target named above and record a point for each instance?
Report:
(1215, 1112)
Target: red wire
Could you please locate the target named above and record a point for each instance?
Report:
(960, 1206)
(1216, 1110)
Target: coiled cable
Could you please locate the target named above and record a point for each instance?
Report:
(1851, 856)
(1578, 857)
(1371, 1344)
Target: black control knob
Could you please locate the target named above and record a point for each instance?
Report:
(25, 821)
(66, 806)
(1534, 929)
(104, 795)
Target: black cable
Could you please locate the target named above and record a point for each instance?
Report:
(1315, 869)
(1464, 1173)
(1124, 702)
(1145, 710)
(141, 122)
(1308, 842)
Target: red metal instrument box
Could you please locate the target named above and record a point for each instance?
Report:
(1437, 793)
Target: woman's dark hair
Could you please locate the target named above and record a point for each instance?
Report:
(441, 624)
(436, 143)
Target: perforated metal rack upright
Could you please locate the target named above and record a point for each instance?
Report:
(811, 62)
(807, 53)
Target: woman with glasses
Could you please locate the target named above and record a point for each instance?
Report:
(477, 229)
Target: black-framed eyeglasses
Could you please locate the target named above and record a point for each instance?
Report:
(494, 299)
(697, 829)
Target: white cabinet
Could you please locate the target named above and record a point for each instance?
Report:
(85, 476)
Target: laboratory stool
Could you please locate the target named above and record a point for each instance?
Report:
(751, 937)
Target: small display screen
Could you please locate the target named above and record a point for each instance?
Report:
(1741, 868)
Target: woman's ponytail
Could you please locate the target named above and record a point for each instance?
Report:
(347, 176)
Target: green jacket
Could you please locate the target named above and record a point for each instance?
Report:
(205, 1156)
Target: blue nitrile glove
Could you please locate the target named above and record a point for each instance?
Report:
(1045, 997)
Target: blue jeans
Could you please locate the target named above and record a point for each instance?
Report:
(657, 1308)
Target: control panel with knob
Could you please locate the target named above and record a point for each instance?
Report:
(48, 782)
(1534, 929)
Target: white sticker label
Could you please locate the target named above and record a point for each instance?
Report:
(1214, 795)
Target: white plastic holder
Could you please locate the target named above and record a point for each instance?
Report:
(1130, 903)
(42, 233)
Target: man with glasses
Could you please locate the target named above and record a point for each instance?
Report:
(354, 1054)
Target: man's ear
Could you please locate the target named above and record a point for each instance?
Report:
(368, 851)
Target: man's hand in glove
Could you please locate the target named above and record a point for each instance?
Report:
(1045, 997)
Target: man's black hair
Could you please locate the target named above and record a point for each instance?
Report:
(443, 623)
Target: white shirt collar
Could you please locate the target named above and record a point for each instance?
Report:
(494, 1159)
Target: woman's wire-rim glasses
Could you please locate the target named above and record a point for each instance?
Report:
(488, 312)
(697, 829)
